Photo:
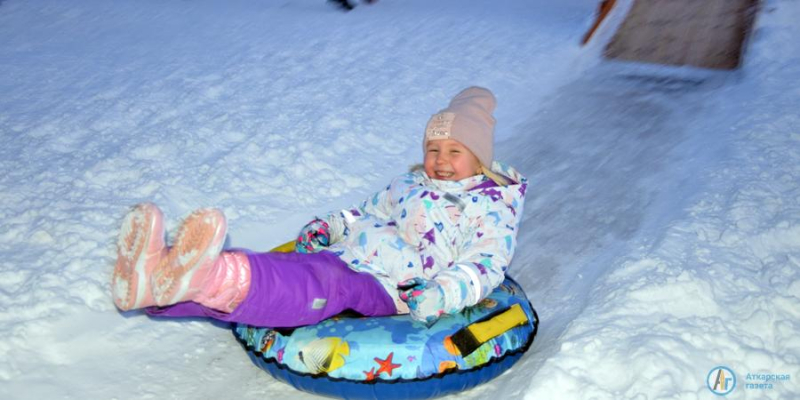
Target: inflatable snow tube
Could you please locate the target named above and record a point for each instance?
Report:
(395, 357)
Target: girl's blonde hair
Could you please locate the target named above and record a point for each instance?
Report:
(500, 180)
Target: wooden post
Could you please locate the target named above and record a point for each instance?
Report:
(602, 13)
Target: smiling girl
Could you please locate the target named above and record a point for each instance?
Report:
(436, 240)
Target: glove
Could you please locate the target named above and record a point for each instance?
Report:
(425, 299)
(313, 237)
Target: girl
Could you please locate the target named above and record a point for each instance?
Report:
(434, 241)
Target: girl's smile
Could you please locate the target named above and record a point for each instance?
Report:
(449, 160)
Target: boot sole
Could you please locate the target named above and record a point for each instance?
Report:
(199, 242)
(140, 228)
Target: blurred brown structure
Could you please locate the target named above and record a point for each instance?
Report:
(700, 33)
(602, 13)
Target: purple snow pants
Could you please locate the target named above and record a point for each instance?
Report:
(294, 289)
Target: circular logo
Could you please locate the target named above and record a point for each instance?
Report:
(721, 380)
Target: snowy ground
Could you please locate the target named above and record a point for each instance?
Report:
(661, 236)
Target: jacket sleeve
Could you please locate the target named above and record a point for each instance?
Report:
(483, 259)
(378, 206)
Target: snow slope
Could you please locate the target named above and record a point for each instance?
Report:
(660, 240)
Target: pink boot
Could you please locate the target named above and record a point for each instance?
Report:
(140, 248)
(227, 283)
(181, 275)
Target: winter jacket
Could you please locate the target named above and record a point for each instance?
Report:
(461, 233)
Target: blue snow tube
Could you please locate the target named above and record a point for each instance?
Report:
(395, 357)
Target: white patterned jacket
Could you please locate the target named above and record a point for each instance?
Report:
(462, 233)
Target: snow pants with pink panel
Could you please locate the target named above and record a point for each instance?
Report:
(294, 289)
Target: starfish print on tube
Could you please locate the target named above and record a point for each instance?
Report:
(386, 365)
(370, 374)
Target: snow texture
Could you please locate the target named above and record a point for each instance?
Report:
(661, 237)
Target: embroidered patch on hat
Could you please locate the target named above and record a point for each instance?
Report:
(439, 126)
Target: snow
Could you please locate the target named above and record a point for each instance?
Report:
(661, 237)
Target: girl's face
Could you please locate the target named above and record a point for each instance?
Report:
(449, 160)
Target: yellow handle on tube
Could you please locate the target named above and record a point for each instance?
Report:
(287, 247)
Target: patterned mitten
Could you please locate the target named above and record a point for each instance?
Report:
(313, 237)
(425, 299)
